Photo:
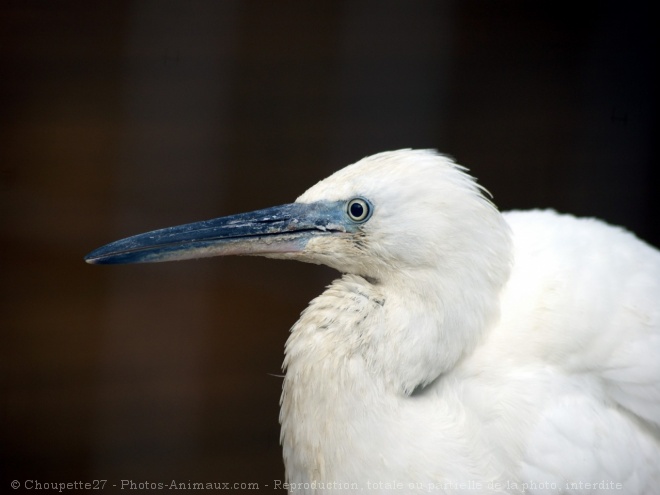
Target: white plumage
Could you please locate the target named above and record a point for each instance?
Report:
(537, 336)
(468, 351)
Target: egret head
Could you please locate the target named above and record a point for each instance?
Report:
(400, 212)
(416, 211)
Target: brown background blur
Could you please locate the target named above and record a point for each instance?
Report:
(120, 117)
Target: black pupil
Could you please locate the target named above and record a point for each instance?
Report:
(357, 210)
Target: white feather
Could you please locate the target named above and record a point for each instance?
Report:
(466, 351)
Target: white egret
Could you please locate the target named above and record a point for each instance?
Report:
(462, 350)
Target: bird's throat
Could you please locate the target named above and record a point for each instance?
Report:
(355, 352)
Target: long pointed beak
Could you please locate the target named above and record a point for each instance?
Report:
(275, 231)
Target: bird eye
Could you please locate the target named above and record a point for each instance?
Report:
(358, 209)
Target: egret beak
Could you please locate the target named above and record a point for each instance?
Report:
(272, 231)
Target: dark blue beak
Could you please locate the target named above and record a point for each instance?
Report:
(276, 231)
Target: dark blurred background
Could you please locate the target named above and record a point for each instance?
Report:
(120, 117)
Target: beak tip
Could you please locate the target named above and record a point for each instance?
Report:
(98, 257)
(92, 259)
